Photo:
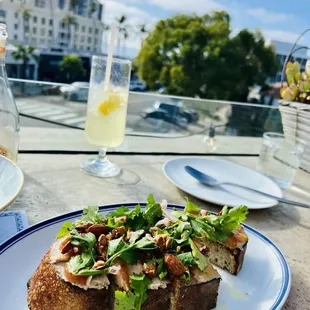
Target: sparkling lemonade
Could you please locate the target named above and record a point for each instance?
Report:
(106, 117)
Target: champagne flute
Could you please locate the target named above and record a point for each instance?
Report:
(106, 112)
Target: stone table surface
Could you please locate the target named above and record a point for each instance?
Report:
(54, 185)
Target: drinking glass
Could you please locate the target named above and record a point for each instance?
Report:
(106, 113)
(279, 157)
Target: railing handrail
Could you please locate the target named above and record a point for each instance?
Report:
(224, 102)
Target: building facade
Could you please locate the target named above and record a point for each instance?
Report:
(54, 27)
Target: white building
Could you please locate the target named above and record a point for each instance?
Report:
(282, 50)
(46, 28)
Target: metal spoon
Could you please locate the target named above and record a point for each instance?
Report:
(209, 181)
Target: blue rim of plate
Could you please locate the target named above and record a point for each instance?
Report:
(286, 283)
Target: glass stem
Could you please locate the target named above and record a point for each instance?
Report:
(102, 156)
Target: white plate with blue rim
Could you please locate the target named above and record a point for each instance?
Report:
(223, 171)
(263, 283)
(11, 182)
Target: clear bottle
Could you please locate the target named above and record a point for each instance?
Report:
(9, 118)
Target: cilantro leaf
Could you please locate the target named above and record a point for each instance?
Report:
(145, 244)
(153, 213)
(91, 214)
(140, 284)
(201, 260)
(92, 272)
(86, 241)
(191, 208)
(78, 262)
(125, 301)
(115, 246)
(187, 258)
(150, 200)
(65, 230)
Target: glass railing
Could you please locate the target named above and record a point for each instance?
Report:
(45, 104)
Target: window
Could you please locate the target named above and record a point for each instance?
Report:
(63, 25)
(42, 41)
(61, 4)
(35, 19)
(26, 28)
(2, 13)
(83, 28)
(42, 32)
(34, 30)
(88, 48)
(96, 41)
(89, 40)
(50, 33)
(15, 26)
(51, 22)
(96, 31)
(43, 21)
(40, 3)
(77, 27)
(90, 30)
(82, 39)
(16, 14)
(15, 37)
(62, 35)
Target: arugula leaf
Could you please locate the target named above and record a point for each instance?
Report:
(125, 301)
(161, 268)
(92, 272)
(145, 244)
(153, 213)
(91, 214)
(201, 260)
(115, 246)
(86, 241)
(187, 258)
(65, 230)
(78, 262)
(191, 208)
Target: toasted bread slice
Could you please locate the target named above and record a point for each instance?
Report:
(47, 290)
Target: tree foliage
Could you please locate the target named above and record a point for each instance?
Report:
(192, 55)
(72, 67)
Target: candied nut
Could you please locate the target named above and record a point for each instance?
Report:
(83, 227)
(109, 236)
(65, 245)
(174, 266)
(99, 265)
(98, 229)
(150, 270)
(163, 242)
(178, 249)
(118, 232)
(102, 245)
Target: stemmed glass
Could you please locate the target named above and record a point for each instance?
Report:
(106, 113)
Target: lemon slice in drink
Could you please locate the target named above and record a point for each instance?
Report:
(109, 105)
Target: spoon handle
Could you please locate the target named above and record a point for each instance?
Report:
(287, 201)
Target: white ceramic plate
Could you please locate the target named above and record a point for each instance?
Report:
(11, 182)
(222, 171)
(262, 284)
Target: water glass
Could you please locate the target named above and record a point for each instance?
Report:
(279, 158)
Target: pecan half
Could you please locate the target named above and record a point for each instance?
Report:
(83, 227)
(118, 232)
(163, 241)
(65, 245)
(150, 270)
(102, 245)
(174, 266)
(98, 229)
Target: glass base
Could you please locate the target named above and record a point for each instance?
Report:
(101, 168)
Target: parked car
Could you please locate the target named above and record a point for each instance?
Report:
(51, 90)
(137, 86)
(77, 91)
(171, 113)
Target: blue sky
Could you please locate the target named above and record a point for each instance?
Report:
(278, 19)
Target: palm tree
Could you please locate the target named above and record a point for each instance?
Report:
(92, 11)
(70, 21)
(25, 54)
(142, 31)
(25, 13)
(122, 29)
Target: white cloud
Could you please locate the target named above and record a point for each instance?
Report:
(280, 35)
(196, 6)
(268, 17)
